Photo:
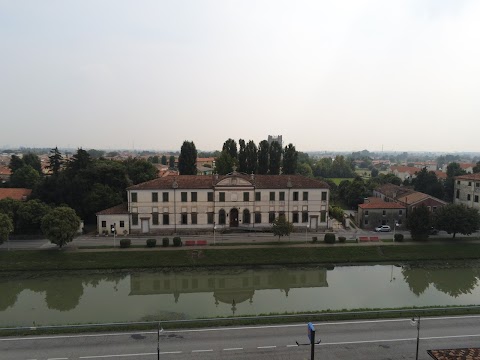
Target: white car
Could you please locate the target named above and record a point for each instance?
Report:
(383, 228)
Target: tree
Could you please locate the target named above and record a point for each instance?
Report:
(6, 227)
(60, 225)
(374, 172)
(230, 146)
(34, 161)
(263, 156)
(281, 227)
(420, 223)
(251, 154)
(453, 169)
(80, 161)
(25, 177)
(290, 160)
(29, 216)
(96, 154)
(15, 163)
(171, 162)
(163, 160)
(476, 168)
(187, 161)
(140, 170)
(305, 170)
(457, 218)
(428, 183)
(224, 163)
(55, 161)
(242, 157)
(275, 157)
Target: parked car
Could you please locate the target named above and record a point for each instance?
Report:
(383, 228)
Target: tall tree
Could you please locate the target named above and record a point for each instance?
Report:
(290, 160)
(275, 157)
(60, 225)
(454, 218)
(34, 161)
(224, 163)
(420, 223)
(242, 156)
(263, 157)
(140, 170)
(81, 160)
(251, 153)
(427, 182)
(6, 227)
(187, 161)
(55, 161)
(230, 146)
(171, 162)
(164, 160)
(25, 177)
(15, 163)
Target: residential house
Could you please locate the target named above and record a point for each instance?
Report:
(376, 212)
(404, 172)
(467, 190)
(20, 194)
(200, 202)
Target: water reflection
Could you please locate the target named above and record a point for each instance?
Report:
(451, 281)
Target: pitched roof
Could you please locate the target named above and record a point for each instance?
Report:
(405, 169)
(468, 177)
(15, 193)
(393, 191)
(416, 197)
(115, 210)
(381, 205)
(209, 181)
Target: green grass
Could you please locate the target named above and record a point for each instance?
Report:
(337, 181)
(284, 255)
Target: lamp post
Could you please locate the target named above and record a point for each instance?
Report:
(214, 228)
(306, 230)
(414, 322)
(395, 224)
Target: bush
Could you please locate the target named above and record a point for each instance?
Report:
(177, 241)
(151, 242)
(342, 239)
(329, 238)
(125, 243)
(398, 237)
(165, 242)
(314, 239)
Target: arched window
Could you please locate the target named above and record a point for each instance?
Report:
(221, 217)
(246, 216)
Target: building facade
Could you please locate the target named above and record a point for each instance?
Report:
(376, 212)
(467, 190)
(201, 202)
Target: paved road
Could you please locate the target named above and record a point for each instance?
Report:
(379, 339)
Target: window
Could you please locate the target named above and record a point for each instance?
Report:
(210, 217)
(295, 196)
(246, 196)
(257, 196)
(476, 198)
(469, 183)
(258, 217)
(194, 218)
(184, 196)
(104, 223)
(221, 216)
(246, 216)
(295, 218)
(122, 224)
(155, 197)
(184, 219)
(366, 212)
(384, 212)
(210, 196)
(281, 196)
(400, 212)
(155, 218)
(134, 197)
(366, 221)
(477, 184)
(324, 196)
(458, 194)
(323, 216)
(222, 197)
(469, 197)
(193, 196)
(165, 197)
(434, 208)
(166, 219)
(458, 182)
(271, 217)
(305, 196)
(304, 216)
(272, 195)
(134, 219)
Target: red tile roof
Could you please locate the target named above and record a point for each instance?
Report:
(468, 177)
(405, 169)
(15, 193)
(381, 205)
(208, 182)
(455, 354)
(115, 210)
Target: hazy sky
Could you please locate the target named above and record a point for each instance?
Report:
(327, 75)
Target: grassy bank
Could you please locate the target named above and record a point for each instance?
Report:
(125, 259)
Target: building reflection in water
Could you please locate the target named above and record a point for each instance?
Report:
(227, 287)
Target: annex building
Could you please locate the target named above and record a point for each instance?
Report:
(184, 203)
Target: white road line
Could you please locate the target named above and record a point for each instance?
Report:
(115, 355)
(292, 345)
(197, 351)
(170, 352)
(232, 349)
(266, 347)
(57, 359)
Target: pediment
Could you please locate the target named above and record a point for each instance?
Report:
(234, 181)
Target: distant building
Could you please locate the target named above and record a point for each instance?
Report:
(277, 138)
(467, 190)
(15, 193)
(376, 212)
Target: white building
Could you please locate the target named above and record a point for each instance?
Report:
(467, 190)
(199, 202)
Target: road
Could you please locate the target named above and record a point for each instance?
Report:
(375, 339)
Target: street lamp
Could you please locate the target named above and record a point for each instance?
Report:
(306, 230)
(395, 224)
(414, 322)
(214, 228)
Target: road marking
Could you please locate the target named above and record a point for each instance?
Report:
(232, 349)
(266, 347)
(171, 352)
(292, 345)
(57, 359)
(196, 351)
(115, 355)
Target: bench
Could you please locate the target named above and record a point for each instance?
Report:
(363, 238)
(374, 238)
(189, 242)
(201, 242)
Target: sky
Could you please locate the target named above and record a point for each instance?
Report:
(345, 75)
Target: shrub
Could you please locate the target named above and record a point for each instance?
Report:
(342, 239)
(314, 239)
(125, 243)
(177, 241)
(151, 242)
(329, 238)
(398, 237)
(165, 242)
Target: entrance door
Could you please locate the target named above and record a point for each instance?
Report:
(145, 226)
(234, 217)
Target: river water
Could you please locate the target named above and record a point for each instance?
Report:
(68, 298)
